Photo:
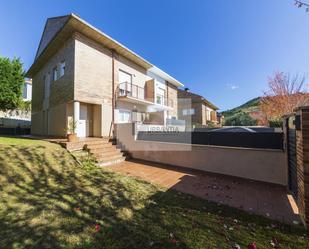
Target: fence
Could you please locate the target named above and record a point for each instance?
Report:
(262, 140)
(14, 131)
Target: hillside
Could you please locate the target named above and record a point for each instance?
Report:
(245, 114)
(250, 106)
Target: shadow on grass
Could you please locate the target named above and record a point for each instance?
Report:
(48, 201)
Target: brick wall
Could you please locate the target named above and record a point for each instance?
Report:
(61, 92)
(93, 72)
(304, 163)
(300, 172)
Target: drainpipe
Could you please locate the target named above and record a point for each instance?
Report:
(113, 92)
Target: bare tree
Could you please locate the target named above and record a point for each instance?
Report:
(284, 94)
(302, 4)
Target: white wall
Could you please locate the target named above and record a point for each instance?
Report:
(27, 91)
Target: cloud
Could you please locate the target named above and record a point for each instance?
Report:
(232, 86)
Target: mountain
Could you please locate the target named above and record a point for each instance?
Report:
(246, 114)
(251, 105)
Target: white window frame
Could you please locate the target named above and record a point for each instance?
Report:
(121, 118)
(160, 96)
(208, 114)
(61, 69)
(188, 112)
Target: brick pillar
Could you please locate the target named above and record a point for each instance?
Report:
(304, 175)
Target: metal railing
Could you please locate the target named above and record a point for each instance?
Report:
(127, 89)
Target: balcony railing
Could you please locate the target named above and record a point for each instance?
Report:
(127, 89)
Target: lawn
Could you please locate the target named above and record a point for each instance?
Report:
(50, 201)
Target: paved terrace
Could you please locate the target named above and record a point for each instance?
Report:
(265, 199)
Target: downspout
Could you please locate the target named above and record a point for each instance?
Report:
(113, 94)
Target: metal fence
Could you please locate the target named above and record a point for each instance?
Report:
(261, 140)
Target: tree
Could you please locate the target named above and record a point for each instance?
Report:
(284, 94)
(240, 119)
(300, 4)
(11, 82)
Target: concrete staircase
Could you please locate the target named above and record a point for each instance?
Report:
(104, 152)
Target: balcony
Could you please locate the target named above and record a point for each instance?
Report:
(127, 89)
(137, 94)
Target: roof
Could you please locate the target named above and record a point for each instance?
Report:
(196, 98)
(67, 25)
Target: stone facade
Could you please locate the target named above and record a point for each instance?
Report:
(93, 72)
(61, 92)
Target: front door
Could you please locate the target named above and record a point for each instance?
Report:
(83, 122)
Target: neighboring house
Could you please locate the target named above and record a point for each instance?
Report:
(80, 73)
(27, 90)
(13, 118)
(195, 109)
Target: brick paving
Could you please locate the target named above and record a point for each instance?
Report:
(265, 199)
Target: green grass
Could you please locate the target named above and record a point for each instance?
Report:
(47, 200)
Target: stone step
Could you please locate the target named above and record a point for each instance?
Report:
(102, 149)
(99, 146)
(112, 162)
(101, 158)
(104, 153)
(99, 141)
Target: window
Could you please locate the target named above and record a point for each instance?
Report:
(208, 114)
(61, 69)
(187, 112)
(25, 91)
(159, 99)
(124, 116)
(55, 73)
(125, 89)
(160, 96)
(125, 83)
(124, 77)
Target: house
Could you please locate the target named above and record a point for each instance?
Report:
(195, 109)
(27, 90)
(81, 74)
(20, 116)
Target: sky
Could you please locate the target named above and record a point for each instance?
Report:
(224, 50)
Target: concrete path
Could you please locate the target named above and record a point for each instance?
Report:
(269, 200)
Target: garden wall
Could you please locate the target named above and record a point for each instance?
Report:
(257, 164)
